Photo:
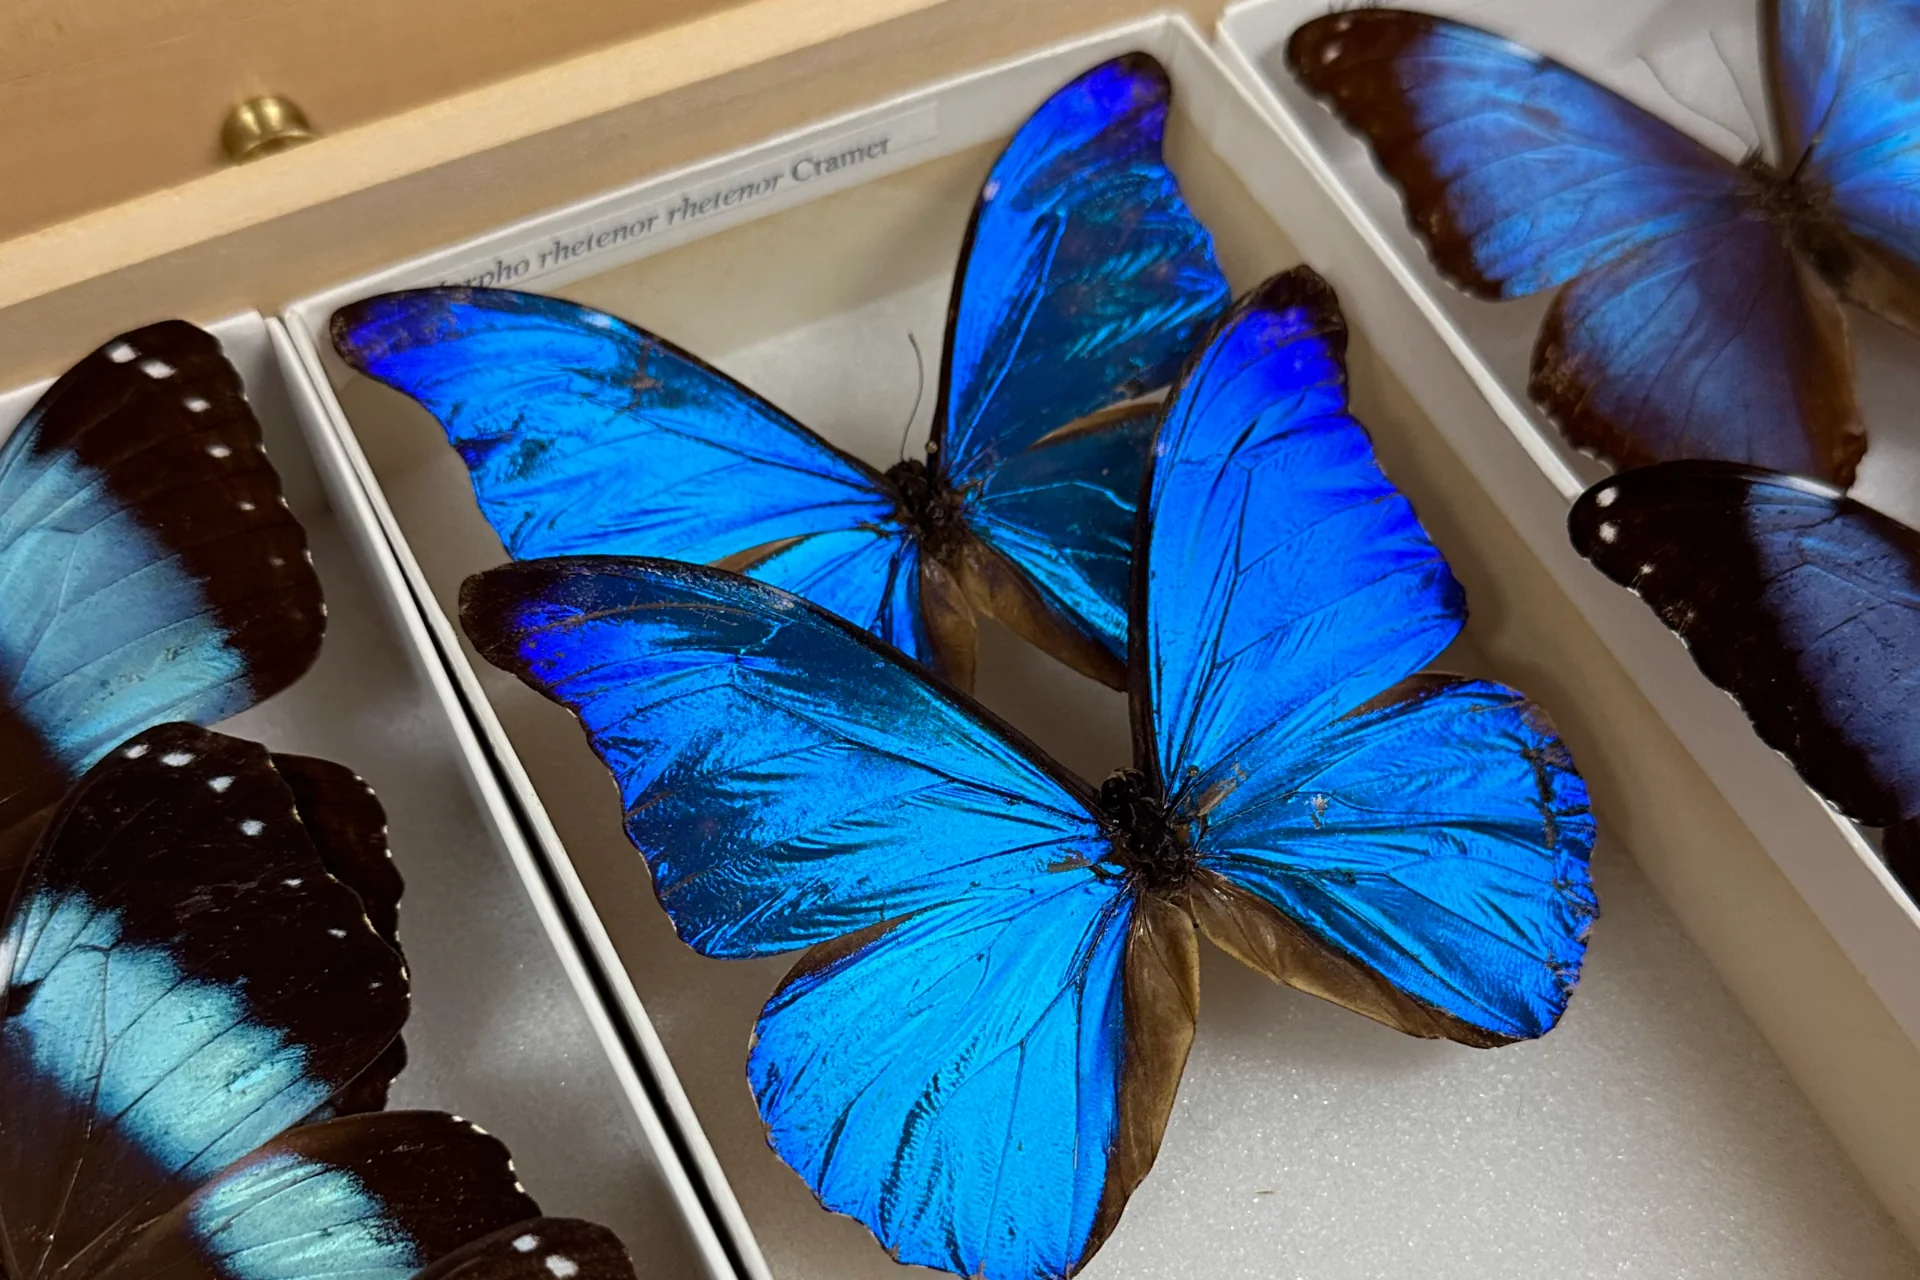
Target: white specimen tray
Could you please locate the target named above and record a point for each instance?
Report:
(1653, 1134)
(507, 1028)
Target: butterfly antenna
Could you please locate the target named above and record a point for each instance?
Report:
(920, 365)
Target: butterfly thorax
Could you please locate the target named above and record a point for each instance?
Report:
(1152, 850)
(927, 506)
(1802, 209)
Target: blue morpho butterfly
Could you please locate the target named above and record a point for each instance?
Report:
(1797, 600)
(978, 1056)
(1698, 317)
(1084, 281)
(149, 568)
(191, 975)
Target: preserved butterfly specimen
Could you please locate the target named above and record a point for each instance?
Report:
(977, 1057)
(1696, 315)
(1797, 600)
(188, 989)
(1083, 283)
(149, 568)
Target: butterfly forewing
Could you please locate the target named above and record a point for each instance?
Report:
(1690, 324)
(1413, 848)
(1845, 80)
(184, 980)
(1800, 602)
(1086, 281)
(149, 566)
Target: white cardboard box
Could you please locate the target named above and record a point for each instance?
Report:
(1696, 63)
(508, 1026)
(1653, 1133)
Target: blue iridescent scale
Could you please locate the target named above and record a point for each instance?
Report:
(976, 1056)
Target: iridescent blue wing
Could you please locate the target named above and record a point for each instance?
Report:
(872, 576)
(1085, 278)
(1415, 849)
(987, 1007)
(540, 1249)
(183, 981)
(374, 1197)
(786, 784)
(1800, 602)
(984, 1082)
(586, 435)
(1687, 329)
(1055, 524)
(1846, 104)
(150, 568)
(1085, 281)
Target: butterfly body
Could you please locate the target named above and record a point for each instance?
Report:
(1696, 299)
(1083, 280)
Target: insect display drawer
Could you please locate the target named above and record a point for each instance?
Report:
(1696, 64)
(1653, 1131)
(507, 1025)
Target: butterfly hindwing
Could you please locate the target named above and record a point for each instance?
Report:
(183, 981)
(151, 569)
(792, 782)
(1712, 342)
(375, 1197)
(1687, 327)
(1417, 850)
(1800, 602)
(1055, 540)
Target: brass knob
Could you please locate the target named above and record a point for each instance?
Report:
(262, 127)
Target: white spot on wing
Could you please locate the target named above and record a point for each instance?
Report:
(526, 1243)
(196, 405)
(253, 827)
(562, 1267)
(221, 783)
(120, 353)
(337, 933)
(177, 758)
(219, 451)
(156, 368)
(1332, 51)
(135, 751)
(1609, 531)
(1606, 497)
(245, 505)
